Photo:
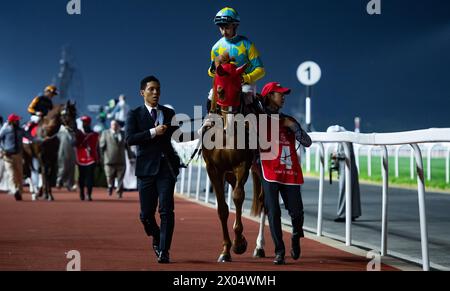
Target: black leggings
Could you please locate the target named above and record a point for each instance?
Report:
(86, 179)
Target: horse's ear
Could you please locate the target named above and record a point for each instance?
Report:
(221, 71)
(241, 69)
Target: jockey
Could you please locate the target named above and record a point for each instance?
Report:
(283, 174)
(239, 48)
(39, 107)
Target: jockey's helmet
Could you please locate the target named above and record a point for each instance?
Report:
(52, 89)
(227, 15)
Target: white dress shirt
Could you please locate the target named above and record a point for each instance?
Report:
(159, 118)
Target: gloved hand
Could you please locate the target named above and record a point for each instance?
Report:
(35, 118)
(206, 123)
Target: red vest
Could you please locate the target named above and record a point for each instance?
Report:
(87, 149)
(285, 169)
(230, 82)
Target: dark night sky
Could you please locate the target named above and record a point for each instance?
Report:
(392, 69)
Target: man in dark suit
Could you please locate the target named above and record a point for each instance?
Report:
(157, 164)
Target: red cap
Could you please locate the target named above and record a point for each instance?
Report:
(86, 119)
(274, 87)
(13, 117)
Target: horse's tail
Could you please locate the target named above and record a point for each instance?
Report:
(258, 194)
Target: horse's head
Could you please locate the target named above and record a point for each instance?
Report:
(68, 115)
(228, 82)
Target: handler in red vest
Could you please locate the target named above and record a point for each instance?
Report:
(87, 153)
(283, 175)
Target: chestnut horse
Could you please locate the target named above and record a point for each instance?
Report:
(230, 164)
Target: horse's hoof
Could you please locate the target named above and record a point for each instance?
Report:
(224, 258)
(239, 247)
(259, 253)
(50, 198)
(33, 197)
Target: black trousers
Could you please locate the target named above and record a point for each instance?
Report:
(86, 178)
(151, 190)
(293, 202)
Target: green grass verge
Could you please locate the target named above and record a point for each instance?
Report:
(437, 181)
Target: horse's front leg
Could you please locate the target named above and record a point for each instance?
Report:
(260, 241)
(217, 180)
(239, 243)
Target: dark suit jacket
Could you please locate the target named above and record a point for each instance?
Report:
(150, 151)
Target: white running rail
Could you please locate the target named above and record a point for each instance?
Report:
(412, 138)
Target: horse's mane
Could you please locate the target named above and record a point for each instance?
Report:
(52, 121)
(55, 112)
(223, 59)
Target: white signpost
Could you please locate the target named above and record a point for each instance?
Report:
(308, 73)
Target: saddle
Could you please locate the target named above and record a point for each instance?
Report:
(32, 128)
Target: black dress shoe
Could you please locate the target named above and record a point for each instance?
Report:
(163, 257)
(296, 249)
(279, 260)
(110, 191)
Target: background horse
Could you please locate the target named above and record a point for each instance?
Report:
(45, 148)
(230, 165)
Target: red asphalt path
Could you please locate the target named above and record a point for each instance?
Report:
(109, 236)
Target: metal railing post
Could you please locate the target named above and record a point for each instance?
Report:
(384, 224)
(447, 166)
(429, 150)
(348, 195)
(422, 211)
(183, 175)
(397, 152)
(317, 158)
(369, 161)
(322, 178)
